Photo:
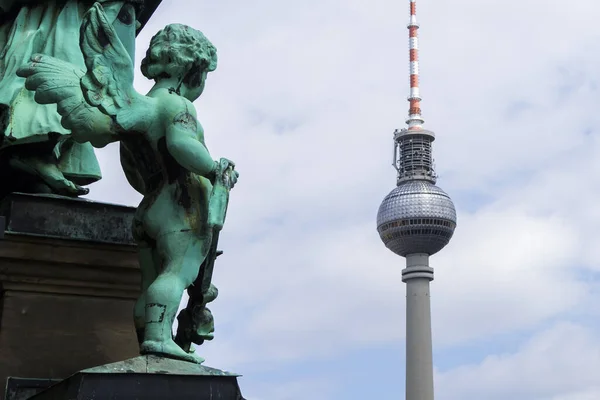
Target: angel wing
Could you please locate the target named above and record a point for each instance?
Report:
(98, 104)
(108, 83)
(59, 82)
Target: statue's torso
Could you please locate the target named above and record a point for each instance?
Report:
(173, 196)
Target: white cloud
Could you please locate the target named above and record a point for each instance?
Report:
(502, 273)
(316, 388)
(555, 364)
(588, 394)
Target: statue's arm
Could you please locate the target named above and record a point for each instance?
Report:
(183, 144)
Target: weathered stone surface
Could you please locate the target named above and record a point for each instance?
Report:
(65, 304)
(147, 377)
(62, 217)
(23, 388)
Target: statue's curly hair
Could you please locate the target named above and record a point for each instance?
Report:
(176, 50)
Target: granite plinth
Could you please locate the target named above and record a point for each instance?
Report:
(146, 377)
(52, 216)
(69, 278)
(23, 389)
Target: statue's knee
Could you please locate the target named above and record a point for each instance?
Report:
(188, 279)
(176, 280)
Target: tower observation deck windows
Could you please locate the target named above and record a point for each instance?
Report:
(415, 155)
(431, 222)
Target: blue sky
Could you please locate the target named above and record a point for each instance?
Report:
(305, 100)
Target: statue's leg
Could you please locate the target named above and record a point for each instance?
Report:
(182, 253)
(148, 262)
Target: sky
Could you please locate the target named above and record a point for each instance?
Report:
(305, 100)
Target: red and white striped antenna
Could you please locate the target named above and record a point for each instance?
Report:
(413, 158)
(415, 120)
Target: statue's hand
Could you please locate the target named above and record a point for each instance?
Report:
(226, 173)
(234, 177)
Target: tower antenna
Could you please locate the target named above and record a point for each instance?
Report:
(415, 120)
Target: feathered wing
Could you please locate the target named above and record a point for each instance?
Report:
(108, 82)
(59, 82)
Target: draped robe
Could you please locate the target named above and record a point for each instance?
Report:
(49, 27)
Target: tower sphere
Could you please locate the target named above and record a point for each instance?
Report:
(416, 217)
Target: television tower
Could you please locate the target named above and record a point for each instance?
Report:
(416, 220)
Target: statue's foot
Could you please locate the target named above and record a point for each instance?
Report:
(49, 174)
(170, 349)
(75, 190)
(62, 185)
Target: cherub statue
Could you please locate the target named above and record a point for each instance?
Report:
(162, 153)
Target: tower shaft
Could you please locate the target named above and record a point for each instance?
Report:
(419, 348)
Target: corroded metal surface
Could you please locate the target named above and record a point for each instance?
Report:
(146, 9)
(152, 364)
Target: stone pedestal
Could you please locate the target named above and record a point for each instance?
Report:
(69, 278)
(146, 377)
(23, 389)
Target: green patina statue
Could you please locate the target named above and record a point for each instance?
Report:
(164, 158)
(37, 153)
